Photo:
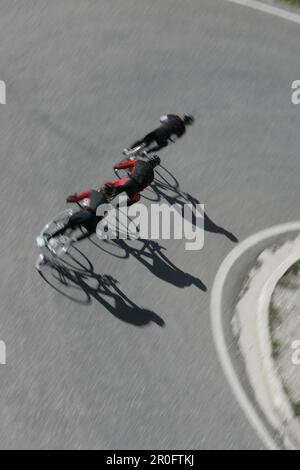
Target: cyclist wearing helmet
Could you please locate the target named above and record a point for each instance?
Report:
(141, 176)
(87, 217)
(172, 128)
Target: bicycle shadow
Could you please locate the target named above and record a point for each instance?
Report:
(152, 256)
(80, 277)
(167, 188)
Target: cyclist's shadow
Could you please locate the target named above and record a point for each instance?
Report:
(167, 188)
(79, 276)
(152, 255)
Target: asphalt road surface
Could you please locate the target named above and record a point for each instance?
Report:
(127, 361)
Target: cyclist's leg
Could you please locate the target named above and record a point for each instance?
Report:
(87, 220)
(91, 227)
(60, 232)
(159, 143)
(146, 141)
(84, 236)
(130, 187)
(133, 190)
(96, 199)
(149, 139)
(138, 143)
(76, 220)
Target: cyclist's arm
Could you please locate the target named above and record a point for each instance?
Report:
(124, 166)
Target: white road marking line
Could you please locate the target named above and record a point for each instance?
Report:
(217, 291)
(218, 332)
(271, 10)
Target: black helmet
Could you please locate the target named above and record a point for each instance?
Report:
(154, 161)
(188, 119)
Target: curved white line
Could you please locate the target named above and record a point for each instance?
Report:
(271, 10)
(218, 333)
(216, 306)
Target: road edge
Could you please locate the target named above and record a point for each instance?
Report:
(263, 7)
(258, 241)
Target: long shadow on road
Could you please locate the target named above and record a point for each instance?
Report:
(153, 257)
(167, 188)
(77, 280)
(149, 253)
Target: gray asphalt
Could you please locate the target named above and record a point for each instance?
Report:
(130, 362)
